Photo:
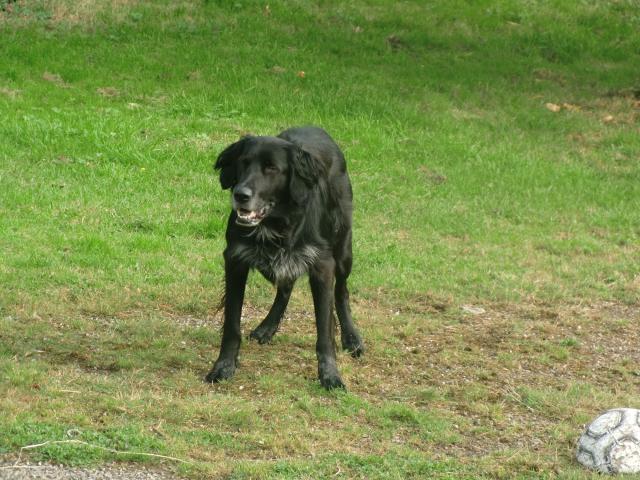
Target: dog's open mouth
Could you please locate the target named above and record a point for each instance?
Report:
(250, 218)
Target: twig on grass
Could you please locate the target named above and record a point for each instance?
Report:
(99, 447)
(25, 467)
(513, 394)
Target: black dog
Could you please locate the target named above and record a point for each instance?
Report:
(291, 199)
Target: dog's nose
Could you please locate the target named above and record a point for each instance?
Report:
(242, 194)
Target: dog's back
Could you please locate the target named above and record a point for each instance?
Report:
(319, 144)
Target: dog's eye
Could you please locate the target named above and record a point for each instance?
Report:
(271, 169)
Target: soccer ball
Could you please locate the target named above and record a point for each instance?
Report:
(611, 443)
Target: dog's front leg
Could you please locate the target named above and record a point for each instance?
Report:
(235, 282)
(321, 278)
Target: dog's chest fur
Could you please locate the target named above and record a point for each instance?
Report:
(278, 264)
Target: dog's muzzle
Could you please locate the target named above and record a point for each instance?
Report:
(251, 218)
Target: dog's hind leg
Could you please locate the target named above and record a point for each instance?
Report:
(349, 335)
(269, 326)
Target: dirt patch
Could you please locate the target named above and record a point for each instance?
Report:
(13, 467)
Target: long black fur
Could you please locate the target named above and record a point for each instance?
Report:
(297, 184)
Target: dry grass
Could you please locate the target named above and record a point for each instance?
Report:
(84, 13)
(11, 93)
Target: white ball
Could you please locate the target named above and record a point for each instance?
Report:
(611, 443)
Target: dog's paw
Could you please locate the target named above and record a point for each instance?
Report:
(222, 370)
(329, 376)
(353, 344)
(332, 382)
(263, 334)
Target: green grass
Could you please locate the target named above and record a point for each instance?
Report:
(469, 190)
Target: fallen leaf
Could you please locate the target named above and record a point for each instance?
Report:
(108, 92)
(571, 107)
(54, 78)
(395, 42)
(608, 119)
(432, 176)
(301, 74)
(277, 69)
(553, 107)
(9, 92)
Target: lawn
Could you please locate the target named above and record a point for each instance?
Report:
(494, 153)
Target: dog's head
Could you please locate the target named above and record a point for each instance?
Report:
(265, 173)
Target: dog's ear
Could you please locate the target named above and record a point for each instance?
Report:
(226, 162)
(306, 171)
